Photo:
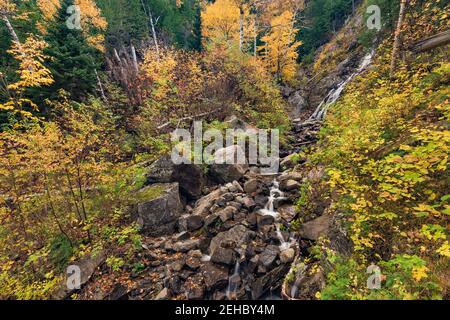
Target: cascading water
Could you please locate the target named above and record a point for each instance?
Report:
(233, 282)
(321, 111)
(276, 194)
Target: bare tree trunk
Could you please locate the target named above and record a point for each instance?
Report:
(10, 28)
(100, 86)
(155, 39)
(397, 36)
(135, 62)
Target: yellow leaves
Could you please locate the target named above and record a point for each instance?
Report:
(49, 8)
(32, 74)
(280, 49)
(419, 272)
(220, 21)
(160, 70)
(444, 250)
(92, 23)
(7, 6)
(425, 209)
(31, 70)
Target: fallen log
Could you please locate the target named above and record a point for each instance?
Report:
(438, 40)
(168, 123)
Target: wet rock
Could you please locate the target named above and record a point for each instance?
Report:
(215, 276)
(287, 256)
(252, 219)
(223, 256)
(261, 200)
(253, 264)
(190, 222)
(264, 220)
(189, 176)
(185, 246)
(238, 235)
(269, 256)
(226, 214)
(159, 210)
(316, 228)
(251, 186)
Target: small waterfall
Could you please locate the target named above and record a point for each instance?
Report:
(276, 193)
(233, 282)
(321, 111)
(205, 258)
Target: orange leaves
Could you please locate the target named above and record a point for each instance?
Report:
(92, 23)
(49, 8)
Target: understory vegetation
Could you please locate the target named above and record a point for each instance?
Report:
(385, 148)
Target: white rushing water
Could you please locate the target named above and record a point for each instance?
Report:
(233, 282)
(276, 194)
(321, 111)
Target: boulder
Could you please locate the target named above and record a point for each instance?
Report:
(287, 256)
(298, 103)
(269, 280)
(226, 167)
(268, 257)
(316, 228)
(251, 186)
(159, 209)
(224, 256)
(289, 185)
(215, 276)
(163, 295)
(227, 213)
(187, 245)
(189, 176)
(287, 212)
(238, 235)
(289, 162)
(248, 203)
(190, 222)
(203, 205)
(87, 267)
